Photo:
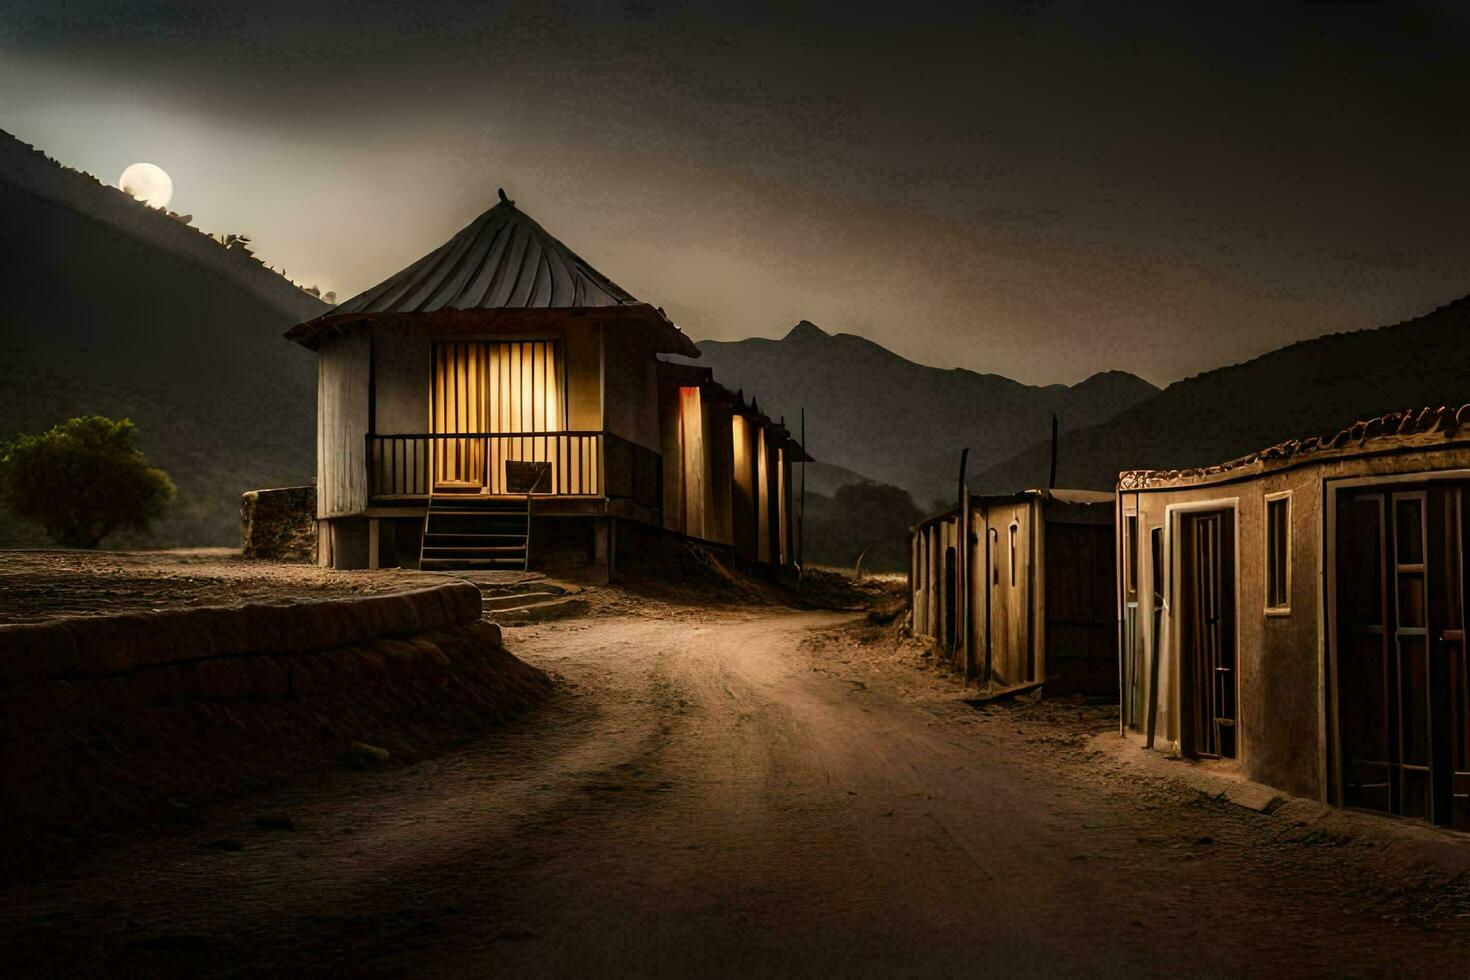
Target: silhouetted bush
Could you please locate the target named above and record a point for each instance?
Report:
(870, 519)
(82, 479)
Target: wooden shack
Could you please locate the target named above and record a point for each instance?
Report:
(1024, 593)
(1298, 614)
(501, 404)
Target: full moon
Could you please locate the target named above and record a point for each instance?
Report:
(148, 183)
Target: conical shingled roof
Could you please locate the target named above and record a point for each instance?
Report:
(501, 260)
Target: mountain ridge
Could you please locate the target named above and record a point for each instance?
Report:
(872, 411)
(1309, 387)
(108, 306)
(28, 167)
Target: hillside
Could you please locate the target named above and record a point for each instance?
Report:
(1309, 388)
(109, 306)
(871, 411)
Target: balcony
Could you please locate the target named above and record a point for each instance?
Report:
(573, 464)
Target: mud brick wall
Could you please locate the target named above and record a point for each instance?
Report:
(279, 524)
(129, 717)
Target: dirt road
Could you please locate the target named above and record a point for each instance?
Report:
(710, 796)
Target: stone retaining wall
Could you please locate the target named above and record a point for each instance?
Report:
(122, 717)
(113, 646)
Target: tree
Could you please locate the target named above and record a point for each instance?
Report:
(861, 519)
(83, 479)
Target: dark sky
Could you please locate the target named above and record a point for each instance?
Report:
(1042, 190)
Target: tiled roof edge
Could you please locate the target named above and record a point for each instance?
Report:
(1383, 432)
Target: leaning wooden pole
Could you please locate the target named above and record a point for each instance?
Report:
(801, 510)
(1120, 572)
(961, 639)
(1151, 714)
(989, 672)
(1051, 482)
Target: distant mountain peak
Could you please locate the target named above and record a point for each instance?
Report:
(874, 412)
(806, 330)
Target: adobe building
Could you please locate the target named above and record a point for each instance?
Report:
(1026, 595)
(1299, 614)
(501, 404)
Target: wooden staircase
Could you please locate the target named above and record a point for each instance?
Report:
(473, 530)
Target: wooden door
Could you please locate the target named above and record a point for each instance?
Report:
(1132, 654)
(1401, 690)
(1081, 633)
(1452, 674)
(1363, 661)
(1410, 652)
(499, 395)
(1156, 631)
(951, 599)
(1207, 632)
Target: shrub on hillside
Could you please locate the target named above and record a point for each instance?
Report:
(871, 520)
(81, 480)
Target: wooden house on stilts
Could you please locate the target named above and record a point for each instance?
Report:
(501, 404)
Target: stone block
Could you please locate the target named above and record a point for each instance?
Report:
(489, 633)
(194, 636)
(432, 606)
(462, 602)
(338, 625)
(395, 615)
(298, 630)
(228, 628)
(279, 525)
(229, 678)
(32, 651)
(105, 644)
(269, 678)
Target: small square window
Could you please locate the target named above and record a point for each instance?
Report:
(1130, 561)
(1278, 552)
(1156, 567)
(1014, 529)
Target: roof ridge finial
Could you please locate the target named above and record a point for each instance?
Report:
(503, 198)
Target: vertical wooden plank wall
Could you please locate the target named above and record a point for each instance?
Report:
(763, 496)
(718, 441)
(783, 511)
(694, 461)
(743, 530)
(342, 425)
(671, 456)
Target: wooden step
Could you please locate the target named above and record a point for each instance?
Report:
(516, 551)
(458, 518)
(458, 507)
(475, 530)
(452, 564)
(520, 600)
(476, 525)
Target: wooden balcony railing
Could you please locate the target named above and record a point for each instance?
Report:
(574, 464)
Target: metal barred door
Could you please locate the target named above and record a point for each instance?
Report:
(1403, 729)
(1452, 652)
(1208, 630)
(1413, 762)
(1445, 554)
(1363, 662)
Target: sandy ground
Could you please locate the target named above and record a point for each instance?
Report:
(747, 794)
(46, 584)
